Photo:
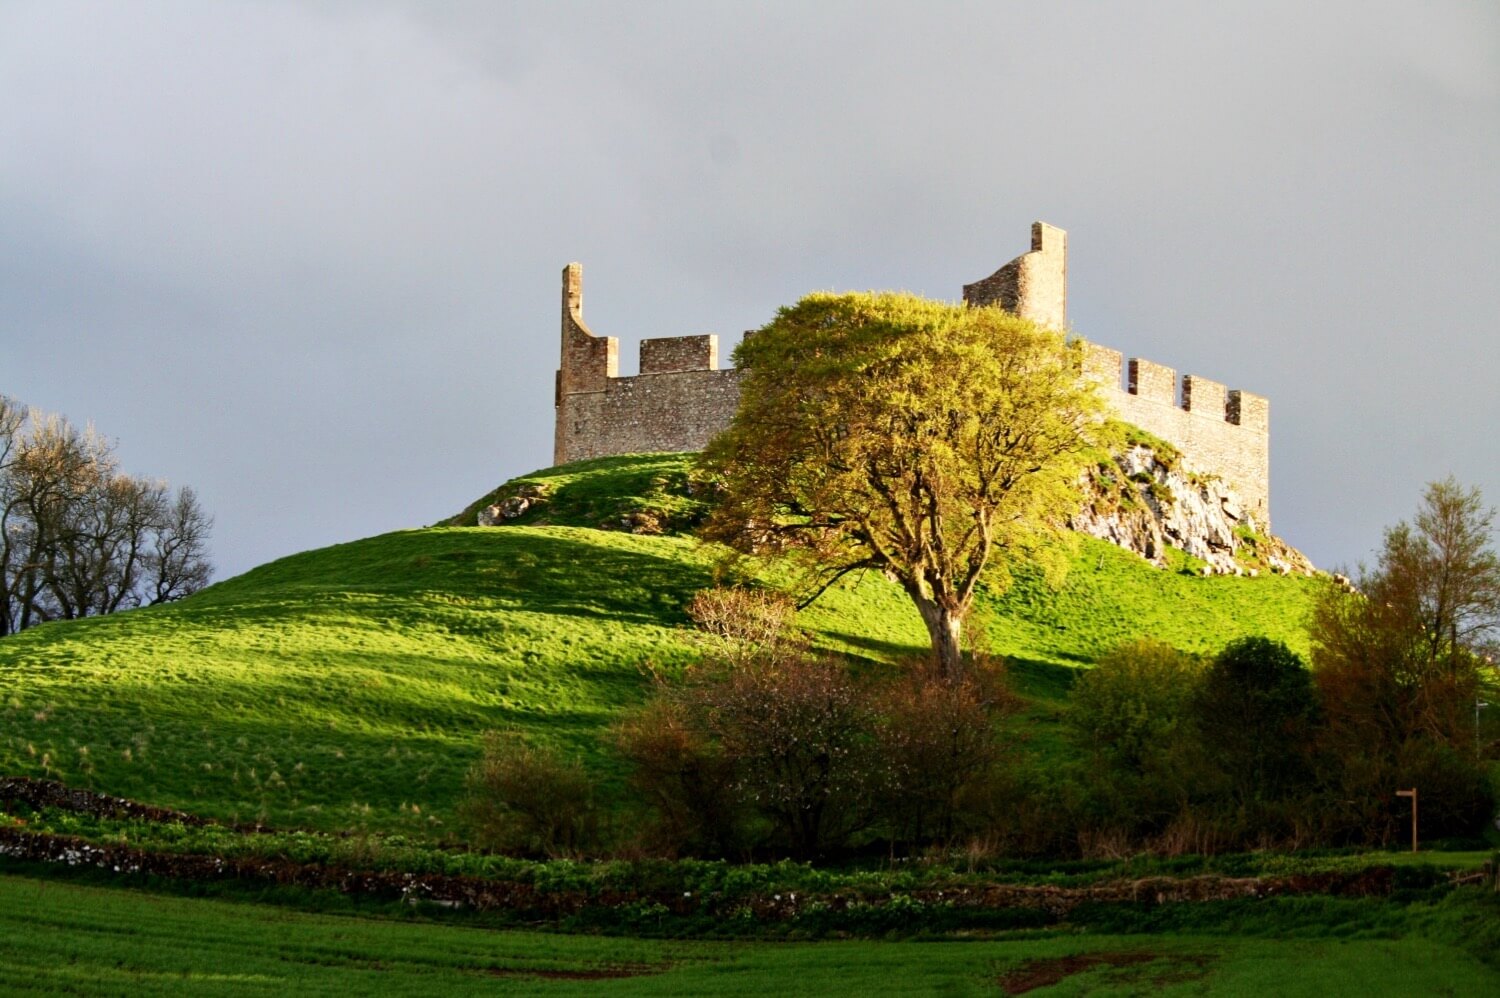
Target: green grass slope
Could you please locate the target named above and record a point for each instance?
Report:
(347, 687)
(654, 491)
(348, 684)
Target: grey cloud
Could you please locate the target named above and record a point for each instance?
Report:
(304, 256)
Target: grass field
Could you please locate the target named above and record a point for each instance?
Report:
(64, 938)
(347, 687)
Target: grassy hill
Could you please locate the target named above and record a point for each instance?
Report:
(347, 687)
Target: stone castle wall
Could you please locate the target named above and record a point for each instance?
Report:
(1033, 285)
(681, 399)
(1220, 432)
(678, 401)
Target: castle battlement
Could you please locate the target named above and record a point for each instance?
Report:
(1221, 431)
(681, 399)
(677, 402)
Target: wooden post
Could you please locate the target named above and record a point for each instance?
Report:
(1412, 793)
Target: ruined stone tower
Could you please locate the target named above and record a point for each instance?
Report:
(1034, 285)
(676, 403)
(680, 398)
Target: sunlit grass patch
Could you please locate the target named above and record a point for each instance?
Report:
(348, 687)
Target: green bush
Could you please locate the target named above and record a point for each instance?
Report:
(1145, 763)
(1134, 702)
(529, 800)
(1257, 707)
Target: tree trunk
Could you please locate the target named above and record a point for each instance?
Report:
(945, 628)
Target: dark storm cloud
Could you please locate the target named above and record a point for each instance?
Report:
(305, 257)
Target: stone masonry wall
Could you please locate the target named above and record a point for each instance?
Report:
(677, 403)
(680, 399)
(678, 411)
(1033, 285)
(1224, 433)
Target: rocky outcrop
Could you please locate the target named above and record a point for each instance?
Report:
(1146, 501)
(512, 507)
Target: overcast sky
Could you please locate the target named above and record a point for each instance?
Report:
(304, 256)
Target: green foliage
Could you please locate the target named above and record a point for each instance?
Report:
(955, 869)
(1146, 764)
(1133, 436)
(1257, 707)
(1134, 703)
(912, 436)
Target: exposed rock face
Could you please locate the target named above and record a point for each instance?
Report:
(1145, 504)
(511, 507)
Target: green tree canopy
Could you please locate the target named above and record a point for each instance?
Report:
(910, 436)
(1256, 706)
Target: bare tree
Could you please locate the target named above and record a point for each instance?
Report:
(12, 418)
(77, 536)
(177, 563)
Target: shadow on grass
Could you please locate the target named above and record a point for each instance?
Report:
(233, 756)
(876, 650)
(1041, 680)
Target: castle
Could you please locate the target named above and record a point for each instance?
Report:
(680, 398)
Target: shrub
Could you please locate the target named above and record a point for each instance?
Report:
(1134, 702)
(940, 754)
(761, 729)
(798, 733)
(765, 733)
(684, 777)
(1257, 708)
(740, 625)
(1132, 714)
(529, 800)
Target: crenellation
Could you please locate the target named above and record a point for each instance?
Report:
(1103, 365)
(1204, 398)
(680, 399)
(677, 402)
(1249, 411)
(670, 354)
(1152, 381)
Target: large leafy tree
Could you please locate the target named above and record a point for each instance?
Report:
(910, 436)
(1402, 662)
